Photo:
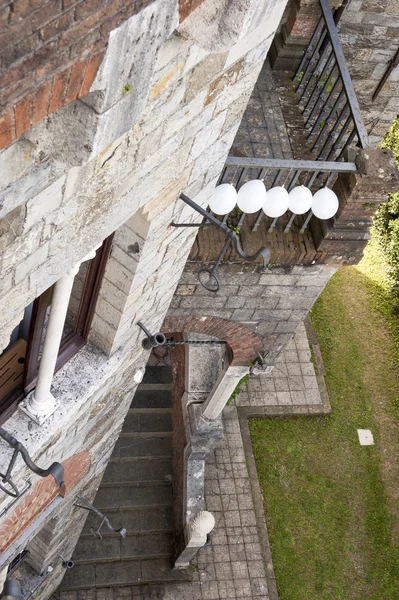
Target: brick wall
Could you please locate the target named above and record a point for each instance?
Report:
(50, 51)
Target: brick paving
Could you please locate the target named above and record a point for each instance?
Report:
(263, 131)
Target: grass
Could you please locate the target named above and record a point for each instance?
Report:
(331, 505)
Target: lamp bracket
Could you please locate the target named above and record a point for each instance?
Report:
(56, 470)
(85, 504)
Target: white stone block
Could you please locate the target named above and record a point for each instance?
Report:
(26, 187)
(262, 26)
(365, 437)
(34, 260)
(44, 203)
(207, 136)
(185, 115)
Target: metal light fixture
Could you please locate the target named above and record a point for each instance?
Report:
(224, 199)
(276, 203)
(170, 343)
(212, 282)
(325, 203)
(56, 470)
(67, 564)
(104, 520)
(251, 196)
(11, 590)
(152, 340)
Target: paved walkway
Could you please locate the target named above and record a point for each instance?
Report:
(263, 131)
(293, 381)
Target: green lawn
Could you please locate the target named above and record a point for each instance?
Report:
(332, 506)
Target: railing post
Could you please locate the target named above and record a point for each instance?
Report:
(360, 193)
(196, 535)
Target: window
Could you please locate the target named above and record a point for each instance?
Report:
(19, 363)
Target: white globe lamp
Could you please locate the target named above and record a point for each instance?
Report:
(251, 196)
(224, 199)
(325, 204)
(277, 201)
(300, 200)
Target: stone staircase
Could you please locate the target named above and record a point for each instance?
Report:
(136, 493)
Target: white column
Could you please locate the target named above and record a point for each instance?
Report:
(221, 392)
(3, 577)
(40, 403)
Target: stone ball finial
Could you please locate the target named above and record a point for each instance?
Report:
(203, 523)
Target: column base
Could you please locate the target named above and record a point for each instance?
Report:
(38, 412)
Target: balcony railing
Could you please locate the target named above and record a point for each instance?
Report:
(326, 94)
(289, 173)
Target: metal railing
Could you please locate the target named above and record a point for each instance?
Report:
(288, 173)
(326, 94)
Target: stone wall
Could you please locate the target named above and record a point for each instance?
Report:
(117, 161)
(271, 302)
(50, 53)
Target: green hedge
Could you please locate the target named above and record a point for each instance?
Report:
(386, 220)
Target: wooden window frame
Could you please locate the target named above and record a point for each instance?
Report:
(74, 340)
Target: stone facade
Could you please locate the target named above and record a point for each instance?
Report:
(115, 160)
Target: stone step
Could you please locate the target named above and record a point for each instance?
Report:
(157, 375)
(135, 521)
(116, 548)
(143, 446)
(132, 496)
(131, 470)
(122, 573)
(147, 421)
(152, 399)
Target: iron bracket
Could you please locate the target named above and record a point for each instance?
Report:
(56, 470)
(104, 520)
(231, 238)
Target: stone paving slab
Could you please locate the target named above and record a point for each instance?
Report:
(292, 382)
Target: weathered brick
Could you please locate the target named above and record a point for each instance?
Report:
(45, 71)
(20, 50)
(75, 81)
(91, 71)
(6, 130)
(58, 90)
(85, 46)
(186, 7)
(22, 116)
(32, 62)
(41, 103)
(22, 8)
(84, 9)
(56, 26)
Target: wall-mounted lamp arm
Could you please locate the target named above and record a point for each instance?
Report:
(104, 520)
(208, 277)
(56, 470)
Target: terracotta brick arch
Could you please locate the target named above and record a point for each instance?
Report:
(242, 341)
